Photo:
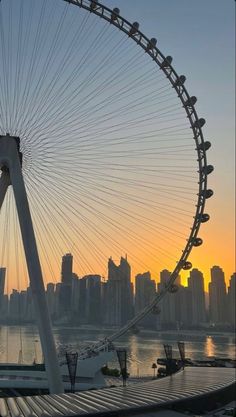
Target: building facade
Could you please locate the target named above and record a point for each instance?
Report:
(119, 293)
(231, 301)
(217, 296)
(197, 295)
(145, 292)
(2, 286)
(66, 284)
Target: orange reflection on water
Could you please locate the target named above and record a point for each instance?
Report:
(209, 347)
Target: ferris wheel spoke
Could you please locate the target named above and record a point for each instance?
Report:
(91, 194)
(45, 91)
(71, 95)
(114, 159)
(70, 208)
(58, 112)
(73, 228)
(128, 196)
(62, 236)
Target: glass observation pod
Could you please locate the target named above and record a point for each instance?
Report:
(204, 146)
(156, 310)
(173, 289)
(187, 265)
(197, 241)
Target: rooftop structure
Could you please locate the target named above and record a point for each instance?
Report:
(191, 384)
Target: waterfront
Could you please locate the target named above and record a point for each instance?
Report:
(143, 348)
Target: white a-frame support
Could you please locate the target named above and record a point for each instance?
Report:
(10, 165)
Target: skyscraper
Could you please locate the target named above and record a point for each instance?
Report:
(2, 284)
(113, 296)
(197, 294)
(30, 310)
(82, 300)
(93, 299)
(66, 269)
(14, 306)
(50, 296)
(184, 306)
(167, 305)
(119, 293)
(66, 283)
(57, 299)
(145, 291)
(217, 296)
(75, 298)
(231, 300)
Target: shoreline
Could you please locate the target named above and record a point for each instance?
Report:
(159, 333)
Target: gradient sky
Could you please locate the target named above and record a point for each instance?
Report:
(200, 36)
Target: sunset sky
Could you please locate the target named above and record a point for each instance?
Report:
(200, 36)
(102, 213)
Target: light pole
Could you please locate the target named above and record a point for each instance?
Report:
(154, 367)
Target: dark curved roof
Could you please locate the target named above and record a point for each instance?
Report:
(192, 383)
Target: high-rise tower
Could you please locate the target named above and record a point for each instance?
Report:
(231, 300)
(196, 287)
(119, 294)
(167, 305)
(66, 269)
(217, 296)
(2, 286)
(66, 283)
(93, 299)
(145, 291)
(2, 283)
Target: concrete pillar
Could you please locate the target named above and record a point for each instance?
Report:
(9, 158)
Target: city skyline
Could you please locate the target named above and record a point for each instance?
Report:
(183, 278)
(114, 302)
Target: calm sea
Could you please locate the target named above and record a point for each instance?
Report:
(143, 348)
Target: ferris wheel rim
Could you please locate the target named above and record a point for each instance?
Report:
(196, 123)
(177, 82)
(119, 22)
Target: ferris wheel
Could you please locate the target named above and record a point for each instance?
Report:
(101, 138)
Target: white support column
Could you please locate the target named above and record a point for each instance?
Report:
(9, 157)
(4, 184)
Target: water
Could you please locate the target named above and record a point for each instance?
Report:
(143, 348)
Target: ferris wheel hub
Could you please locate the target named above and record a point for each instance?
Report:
(11, 141)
